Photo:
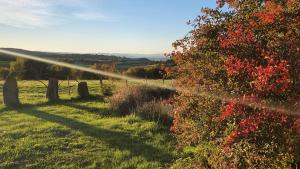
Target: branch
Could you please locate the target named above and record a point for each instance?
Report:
(60, 83)
(42, 83)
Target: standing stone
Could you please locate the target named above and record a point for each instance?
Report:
(52, 90)
(11, 92)
(83, 90)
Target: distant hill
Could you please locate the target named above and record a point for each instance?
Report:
(86, 59)
(153, 57)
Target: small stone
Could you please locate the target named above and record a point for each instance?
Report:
(83, 90)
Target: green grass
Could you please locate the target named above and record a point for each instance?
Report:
(77, 133)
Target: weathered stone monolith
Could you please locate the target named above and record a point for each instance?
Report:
(83, 90)
(52, 90)
(11, 92)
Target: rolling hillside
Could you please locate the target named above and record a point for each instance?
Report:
(81, 59)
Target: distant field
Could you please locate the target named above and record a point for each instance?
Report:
(128, 64)
(78, 133)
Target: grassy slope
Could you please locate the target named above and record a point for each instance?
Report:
(77, 134)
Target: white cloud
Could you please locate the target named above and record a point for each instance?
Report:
(25, 13)
(89, 16)
(92, 16)
(41, 13)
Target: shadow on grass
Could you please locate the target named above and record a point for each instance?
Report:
(89, 109)
(95, 98)
(67, 102)
(6, 109)
(90, 98)
(115, 139)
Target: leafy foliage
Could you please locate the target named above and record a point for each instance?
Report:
(151, 72)
(4, 72)
(27, 69)
(250, 51)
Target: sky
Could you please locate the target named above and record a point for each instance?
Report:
(97, 26)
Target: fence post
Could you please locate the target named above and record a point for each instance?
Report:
(69, 89)
(112, 80)
(101, 81)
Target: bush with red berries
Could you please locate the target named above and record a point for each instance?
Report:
(238, 73)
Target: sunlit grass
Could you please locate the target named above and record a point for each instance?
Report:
(78, 133)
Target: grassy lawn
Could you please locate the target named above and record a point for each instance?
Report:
(78, 133)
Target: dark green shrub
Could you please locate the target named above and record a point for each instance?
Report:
(151, 72)
(29, 70)
(4, 73)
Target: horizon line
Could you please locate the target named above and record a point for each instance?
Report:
(69, 52)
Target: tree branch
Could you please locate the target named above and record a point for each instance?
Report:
(42, 83)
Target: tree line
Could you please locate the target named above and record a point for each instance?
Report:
(25, 69)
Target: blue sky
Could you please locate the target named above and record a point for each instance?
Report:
(96, 26)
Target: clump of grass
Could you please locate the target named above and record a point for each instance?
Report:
(155, 111)
(127, 100)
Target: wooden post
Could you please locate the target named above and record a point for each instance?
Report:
(126, 83)
(163, 80)
(69, 86)
(101, 81)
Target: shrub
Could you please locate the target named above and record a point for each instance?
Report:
(125, 100)
(60, 72)
(151, 72)
(250, 53)
(4, 73)
(29, 70)
(155, 111)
